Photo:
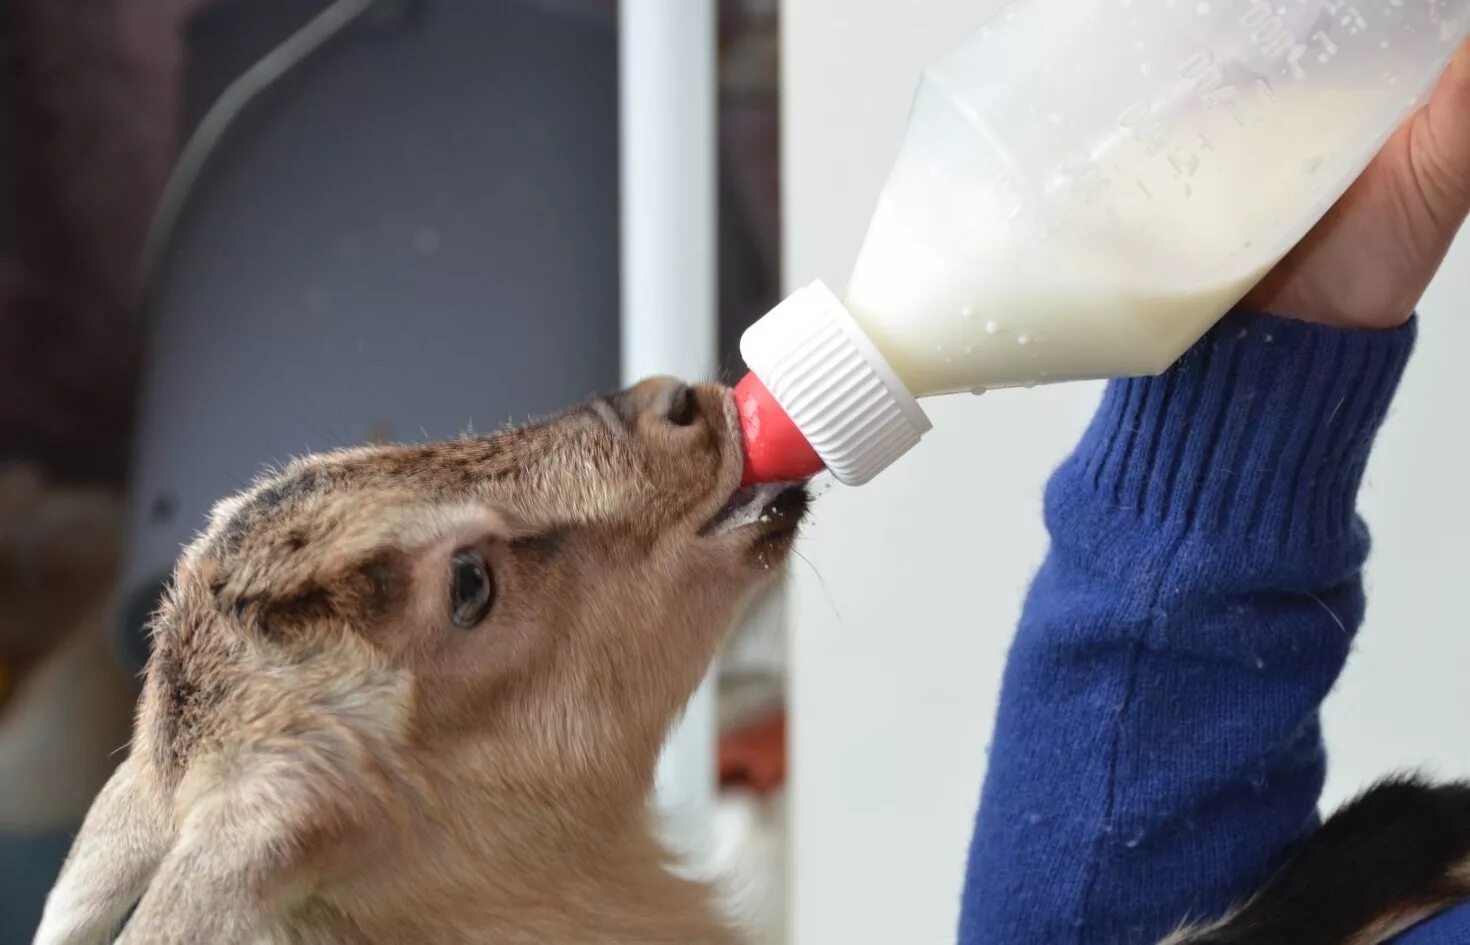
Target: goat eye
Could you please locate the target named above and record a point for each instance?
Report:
(471, 588)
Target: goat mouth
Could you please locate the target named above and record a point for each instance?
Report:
(771, 509)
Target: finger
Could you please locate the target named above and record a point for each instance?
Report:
(1440, 138)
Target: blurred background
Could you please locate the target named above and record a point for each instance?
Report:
(232, 231)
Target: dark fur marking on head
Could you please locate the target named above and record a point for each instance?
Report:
(272, 495)
(384, 581)
(188, 704)
(358, 594)
(481, 459)
(312, 604)
(238, 605)
(544, 545)
(281, 490)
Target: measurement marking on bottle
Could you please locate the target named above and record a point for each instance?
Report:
(1354, 21)
(1327, 48)
(1027, 231)
(1269, 32)
(1184, 161)
(1142, 124)
(1207, 79)
(1084, 178)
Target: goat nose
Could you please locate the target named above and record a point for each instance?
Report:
(662, 399)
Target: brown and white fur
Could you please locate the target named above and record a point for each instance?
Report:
(322, 756)
(325, 753)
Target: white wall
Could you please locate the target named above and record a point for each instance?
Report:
(900, 626)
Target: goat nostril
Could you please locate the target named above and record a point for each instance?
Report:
(683, 407)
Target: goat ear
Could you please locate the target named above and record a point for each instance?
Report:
(121, 843)
(206, 890)
(243, 851)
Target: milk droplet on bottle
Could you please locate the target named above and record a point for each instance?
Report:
(1099, 246)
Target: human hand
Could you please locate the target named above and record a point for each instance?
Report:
(1372, 256)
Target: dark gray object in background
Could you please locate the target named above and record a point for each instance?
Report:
(413, 234)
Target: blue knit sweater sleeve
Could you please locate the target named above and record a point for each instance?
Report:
(1158, 741)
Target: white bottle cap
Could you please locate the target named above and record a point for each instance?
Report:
(836, 387)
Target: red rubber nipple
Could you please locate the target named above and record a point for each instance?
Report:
(775, 450)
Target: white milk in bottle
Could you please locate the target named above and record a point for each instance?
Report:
(1084, 188)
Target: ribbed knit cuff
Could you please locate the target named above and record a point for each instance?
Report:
(1262, 429)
